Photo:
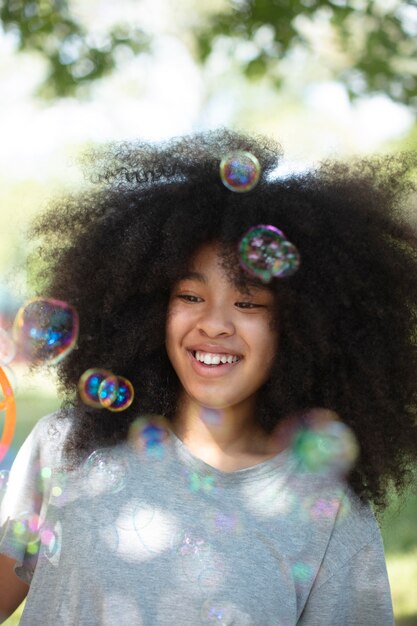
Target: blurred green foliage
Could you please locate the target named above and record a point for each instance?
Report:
(74, 56)
(369, 45)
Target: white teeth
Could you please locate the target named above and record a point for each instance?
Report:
(209, 358)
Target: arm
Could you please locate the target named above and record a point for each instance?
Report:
(12, 590)
(357, 594)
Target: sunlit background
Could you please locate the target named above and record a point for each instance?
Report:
(333, 79)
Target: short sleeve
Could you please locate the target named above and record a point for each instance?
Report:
(357, 594)
(24, 504)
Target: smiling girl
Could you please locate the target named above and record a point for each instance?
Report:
(196, 505)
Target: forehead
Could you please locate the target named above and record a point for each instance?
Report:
(214, 262)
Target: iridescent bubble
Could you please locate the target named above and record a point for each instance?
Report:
(108, 391)
(105, 471)
(125, 395)
(46, 330)
(150, 434)
(240, 171)
(265, 252)
(89, 385)
(7, 347)
(325, 444)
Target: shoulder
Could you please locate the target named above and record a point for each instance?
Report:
(354, 537)
(46, 440)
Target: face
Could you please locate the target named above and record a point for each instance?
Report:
(221, 342)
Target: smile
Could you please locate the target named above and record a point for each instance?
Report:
(210, 358)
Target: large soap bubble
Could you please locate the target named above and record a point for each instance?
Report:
(46, 330)
(265, 252)
(325, 443)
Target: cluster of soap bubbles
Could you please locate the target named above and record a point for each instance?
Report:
(101, 389)
(46, 330)
(266, 253)
(324, 443)
(240, 171)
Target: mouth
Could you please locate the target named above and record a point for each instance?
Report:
(215, 361)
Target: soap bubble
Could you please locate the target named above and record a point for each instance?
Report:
(105, 472)
(46, 330)
(125, 395)
(149, 434)
(100, 388)
(7, 347)
(266, 253)
(325, 443)
(89, 385)
(240, 171)
(107, 391)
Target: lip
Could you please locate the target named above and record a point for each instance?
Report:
(213, 349)
(211, 372)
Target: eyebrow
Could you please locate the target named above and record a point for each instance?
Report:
(250, 283)
(202, 278)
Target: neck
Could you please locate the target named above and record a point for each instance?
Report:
(230, 431)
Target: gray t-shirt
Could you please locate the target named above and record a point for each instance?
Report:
(156, 537)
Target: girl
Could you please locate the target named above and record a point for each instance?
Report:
(201, 503)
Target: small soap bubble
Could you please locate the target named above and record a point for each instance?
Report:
(125, 395)
(7, 347)
(46, 330)
(105, 472)
(240, 171)
(89, 385)
(107, 391)
(150, 434)
(266, 253)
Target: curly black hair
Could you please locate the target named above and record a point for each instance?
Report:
(347, 318)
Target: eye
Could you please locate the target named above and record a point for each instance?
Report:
(189, 298)
(248, 305)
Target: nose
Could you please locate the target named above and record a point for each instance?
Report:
(215, 321)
